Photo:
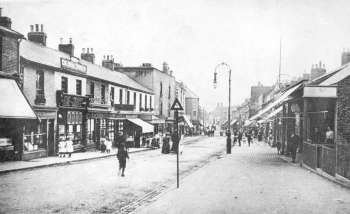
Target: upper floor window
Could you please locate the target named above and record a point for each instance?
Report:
(161, 89)
(128, 97)
(145, 100)
(78, 87)
(103, 94)
(134, 98)
(150, 101)
(92, 89)
(112, 95)
(169, 95)
(39, 83)
(140, 101)
(64, 84)
(120, 96)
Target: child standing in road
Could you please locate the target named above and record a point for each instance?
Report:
(122, 155)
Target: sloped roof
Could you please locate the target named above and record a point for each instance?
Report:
(6, 30)
(338, 75)
(51, 57)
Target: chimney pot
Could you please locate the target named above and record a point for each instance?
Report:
(70, 40)
(31, 28)
(91, 50)
(61, 40)
(0, 11)
(87, 49)
(83, 50)
(42, 27)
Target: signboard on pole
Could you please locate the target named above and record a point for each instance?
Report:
(176, 106)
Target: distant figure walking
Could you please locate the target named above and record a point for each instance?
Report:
(249, 138)
(294, 143)
(122, 155)
(240, 135)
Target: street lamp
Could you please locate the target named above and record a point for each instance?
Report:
(226, 67)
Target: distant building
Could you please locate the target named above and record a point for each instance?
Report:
(255, 102)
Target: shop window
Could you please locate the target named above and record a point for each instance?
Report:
(64, 84)
(74, 126)
(120, 96)
(128, 98)
(120, 126)
(91, 131)
(110, 130)
(103, 94)
(92, 89)
(34, 137)
(78, 87)
(103, 130)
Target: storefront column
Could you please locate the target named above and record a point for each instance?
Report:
(98, 132)
(305, 116)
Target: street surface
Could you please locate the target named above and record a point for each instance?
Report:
(94, 186)
(252, 180)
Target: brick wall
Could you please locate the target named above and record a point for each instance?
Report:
(343, 115)
(9, 59)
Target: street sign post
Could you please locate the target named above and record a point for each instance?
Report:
(177, 107)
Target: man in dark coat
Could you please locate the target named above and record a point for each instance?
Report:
(294, 143)
(122, 155)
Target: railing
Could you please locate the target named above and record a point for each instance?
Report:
(343, 160)
(328, 159)
(309, 154)
(124, 107)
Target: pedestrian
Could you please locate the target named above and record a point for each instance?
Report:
(316, 138)
(249, 137)
(61, 147)
(240, 135)
(294, 143)
(329, 136)
(122, 154)
(69, 146)
(108, 145)
(103, 145)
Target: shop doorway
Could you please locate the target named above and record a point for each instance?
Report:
(51, 137)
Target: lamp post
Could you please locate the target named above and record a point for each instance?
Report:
(225, 66)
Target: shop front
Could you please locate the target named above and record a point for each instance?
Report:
(15, 113)
(71, 119)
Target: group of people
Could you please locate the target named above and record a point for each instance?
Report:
(65, 146)
(106, 145)
(238, 137)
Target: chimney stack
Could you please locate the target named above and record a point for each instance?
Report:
(88, 55)
(317, 70)
(108, 62)
(66, 48)
(5, 21)
(165, 67)
(37, 36)
(345, 57)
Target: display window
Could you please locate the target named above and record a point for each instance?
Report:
(91, 131)
(34, 137)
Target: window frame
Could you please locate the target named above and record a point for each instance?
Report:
(78, 86)
(40, 83)
(65, 81)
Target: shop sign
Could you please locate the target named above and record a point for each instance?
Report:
(71, 65)
(46, 115)
(326, 92)
(68, 100)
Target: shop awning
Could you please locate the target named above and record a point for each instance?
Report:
(271, 115)
(279, 100)
(320, 91)
(13, 103)
(146, 127)
(156, 120)
(187, 120)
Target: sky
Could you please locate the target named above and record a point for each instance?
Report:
(193, 37)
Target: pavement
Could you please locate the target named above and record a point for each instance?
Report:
(251, 180)
(11, 166)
